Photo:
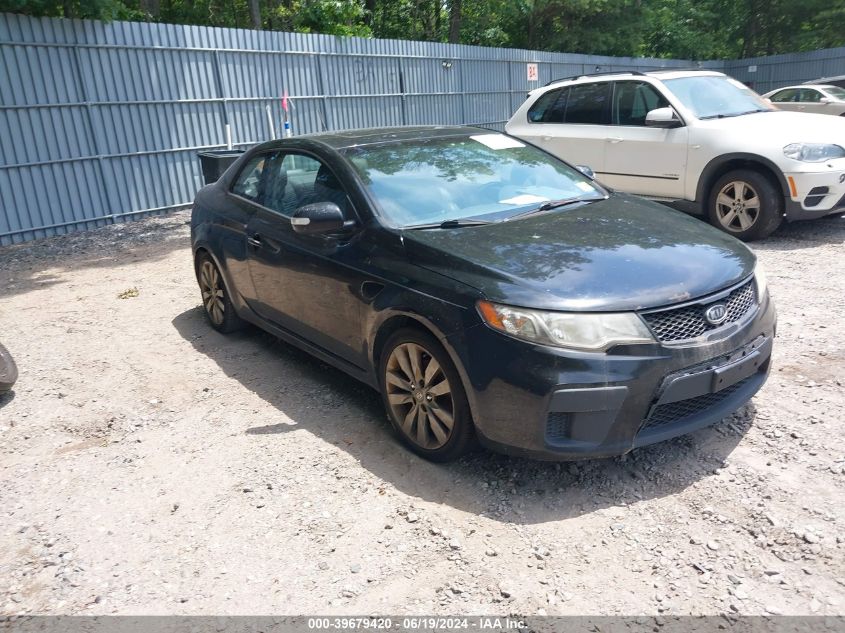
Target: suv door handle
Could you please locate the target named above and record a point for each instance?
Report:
(254, 240)
(615, 139)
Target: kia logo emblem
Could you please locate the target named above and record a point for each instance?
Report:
(716, 313)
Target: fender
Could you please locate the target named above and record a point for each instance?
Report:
(707, 174)
(382, 316)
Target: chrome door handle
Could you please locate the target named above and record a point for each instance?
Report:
(254, 240)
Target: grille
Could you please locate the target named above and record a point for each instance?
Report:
(677, 412)
(558, 427)
(688, 322)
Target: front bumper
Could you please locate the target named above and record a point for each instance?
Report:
(816, 194)
(551, 403)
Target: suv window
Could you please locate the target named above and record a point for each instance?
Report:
(632, 100)
(550, 107)
(587, 103)
(785, 96)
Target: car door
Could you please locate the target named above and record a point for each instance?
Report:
(245, 196)
(644, 160)
(811, 101)
(787, 99)
(307, 284)
(571, 123)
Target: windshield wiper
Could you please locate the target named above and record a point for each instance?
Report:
(450, 224)
(725, 116)
(551, 204)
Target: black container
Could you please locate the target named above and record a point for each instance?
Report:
(216, 161)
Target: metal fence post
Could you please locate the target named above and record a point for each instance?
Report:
(327, 123)
(93, 135)
(218, 86)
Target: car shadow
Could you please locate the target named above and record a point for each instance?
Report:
(6, 397)
(343, 412)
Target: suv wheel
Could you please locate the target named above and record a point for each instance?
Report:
(424, 397)
(745, 204)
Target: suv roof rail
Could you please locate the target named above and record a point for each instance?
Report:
(680, 69)
(606, 72)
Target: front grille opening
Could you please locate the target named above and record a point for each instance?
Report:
(681, 411)
(816, 195)
(680, 324)
(558, 427)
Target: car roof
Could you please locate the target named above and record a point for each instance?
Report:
(376, 136)
(803, 87)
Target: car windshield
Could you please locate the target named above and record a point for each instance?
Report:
(836, 92)
(487, 176)
(711, 97)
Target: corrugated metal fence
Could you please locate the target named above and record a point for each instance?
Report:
(102, 122)
(767, 73)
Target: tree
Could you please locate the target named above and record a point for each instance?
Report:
(255, 14)
(455, 22)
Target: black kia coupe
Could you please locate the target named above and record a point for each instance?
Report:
(486, 289)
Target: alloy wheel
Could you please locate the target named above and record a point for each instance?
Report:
(212, 292)
(737, 206)
(419, 396)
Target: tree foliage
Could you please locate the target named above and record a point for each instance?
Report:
(687, 29)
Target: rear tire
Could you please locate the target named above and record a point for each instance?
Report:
(746, 204)
(8, 370)
(216, 300)
(424, 397)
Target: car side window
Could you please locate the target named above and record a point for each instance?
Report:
(298, 179)
(587, 103)
(810, 96)
(633, 100)
(550, 107)
(785, 96)
(249, 183)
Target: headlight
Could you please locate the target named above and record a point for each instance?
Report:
(813, 152)
(583, 331)
(761, 281)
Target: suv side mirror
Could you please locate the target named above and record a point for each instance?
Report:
(662, 117)
(319, 217)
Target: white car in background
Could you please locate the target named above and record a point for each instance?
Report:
(695, 137)
(815, 99)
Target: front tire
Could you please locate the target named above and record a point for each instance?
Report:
(216, 299)
(746, 204)
(424, 397)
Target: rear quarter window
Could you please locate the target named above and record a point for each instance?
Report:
(549, 108)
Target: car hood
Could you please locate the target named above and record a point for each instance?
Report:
(623, 253)
(782, 127)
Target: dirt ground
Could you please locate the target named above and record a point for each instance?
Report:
(149, 465)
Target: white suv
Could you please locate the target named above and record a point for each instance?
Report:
(695, 136)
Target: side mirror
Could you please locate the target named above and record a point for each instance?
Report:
(319, 217)
(587, 171)
(663, 118)
(824, 100)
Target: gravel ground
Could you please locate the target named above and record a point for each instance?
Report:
(149, 465)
